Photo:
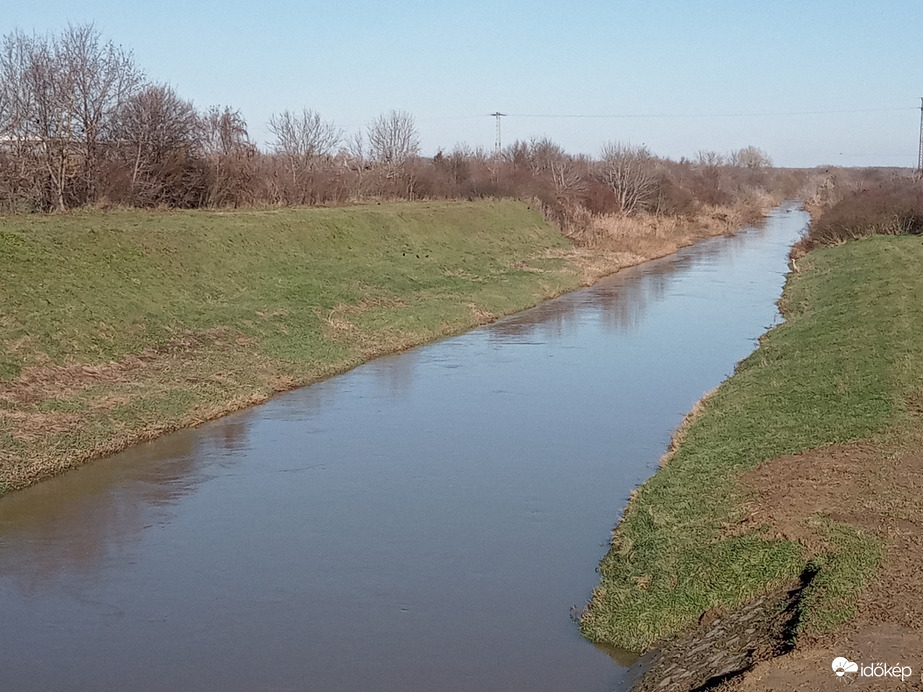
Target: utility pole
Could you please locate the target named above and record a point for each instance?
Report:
(919, 156)
(499, 115)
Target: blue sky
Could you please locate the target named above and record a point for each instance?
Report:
(811, 82)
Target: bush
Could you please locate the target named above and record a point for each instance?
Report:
(893, 208)
(599, 199)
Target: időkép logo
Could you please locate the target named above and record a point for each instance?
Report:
(843, 666)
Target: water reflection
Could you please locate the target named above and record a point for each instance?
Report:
(619, 302)
(395, 374)
(81, 522)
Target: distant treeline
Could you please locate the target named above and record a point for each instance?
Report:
(81, 125)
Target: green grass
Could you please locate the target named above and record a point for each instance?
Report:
(841, 575)
(222, 308)
(91, 285)
(839, 369)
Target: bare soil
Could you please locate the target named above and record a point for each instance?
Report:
(879, 490)
(874, 487)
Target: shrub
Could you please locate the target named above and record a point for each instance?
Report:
(892, 208)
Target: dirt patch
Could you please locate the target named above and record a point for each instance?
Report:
(809, 668)
(872, 487)
(868, 486)
(880, 491)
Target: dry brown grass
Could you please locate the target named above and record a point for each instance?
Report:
(610, 242)
(50, 411)
(622, 240)
(595, 263)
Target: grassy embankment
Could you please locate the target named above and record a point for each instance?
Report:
(846, 365)
(116, 327)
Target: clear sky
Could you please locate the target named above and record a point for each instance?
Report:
(812, 82)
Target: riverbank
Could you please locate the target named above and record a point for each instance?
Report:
(798, 483)
(117, 327)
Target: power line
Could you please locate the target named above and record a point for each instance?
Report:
(707, 115)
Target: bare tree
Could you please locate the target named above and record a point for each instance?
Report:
(42, 85)
(393, 139)
(161, 133)
(225, 131)
(544, 155)
(709, 159)
(517, 154)
(104, 77)
(749, 157)
(355, 156)
(8, 93)
(566, 177)
(21, 168)
(60, 96)
(303, 140)
(228, 150)
(630, 171)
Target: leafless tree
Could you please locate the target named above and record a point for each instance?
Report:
(630, 171)
(42, 87)
(566, 177)
(355, 158)
(517, 154)
(161, 133)
(709, 159)
(460, 162)
(229, 151)
(9, 120)
(304, 140)
(60, 95)
(20, 167)
(544, 154)
(225, 131)
(749, 157)
(393, 139)
(104, 77)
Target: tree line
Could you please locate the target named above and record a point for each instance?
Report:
(81, 125)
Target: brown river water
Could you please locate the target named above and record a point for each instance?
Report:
(426, 521)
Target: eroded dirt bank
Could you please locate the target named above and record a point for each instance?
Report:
(878, 489)
(762, 646)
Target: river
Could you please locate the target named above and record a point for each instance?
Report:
(426, 521)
